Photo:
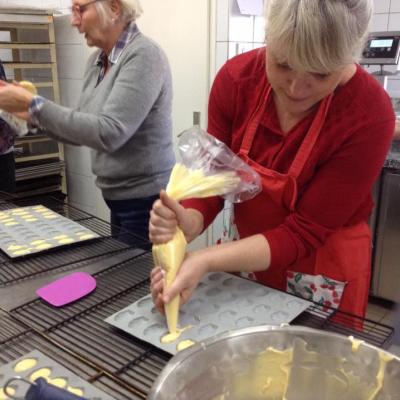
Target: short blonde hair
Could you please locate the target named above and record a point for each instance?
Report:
(317, 35)
(131, 10)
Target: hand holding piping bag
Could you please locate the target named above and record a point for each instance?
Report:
(200, 180)
(185, 183)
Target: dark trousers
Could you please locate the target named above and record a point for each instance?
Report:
(130, 220)
(7, 172)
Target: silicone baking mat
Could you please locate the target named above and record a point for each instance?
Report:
(29, 230)
(221, 302)
(36, 365)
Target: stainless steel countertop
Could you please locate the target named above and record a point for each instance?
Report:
(393, 157)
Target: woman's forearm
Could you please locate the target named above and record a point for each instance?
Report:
(249, 254)
(196, 225)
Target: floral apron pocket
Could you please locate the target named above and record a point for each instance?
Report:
(317, 288)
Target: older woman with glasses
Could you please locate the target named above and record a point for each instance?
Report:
(123, 113)
(316, 127)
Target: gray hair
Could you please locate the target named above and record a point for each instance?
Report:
(130, 10)
(318, 35)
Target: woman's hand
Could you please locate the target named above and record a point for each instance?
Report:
(156, 288)
(14, 98)
(192, 270)
(167, 214)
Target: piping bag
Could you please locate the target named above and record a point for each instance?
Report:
(208, 168)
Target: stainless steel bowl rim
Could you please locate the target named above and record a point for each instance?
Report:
(188, 353)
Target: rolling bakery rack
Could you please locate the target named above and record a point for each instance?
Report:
(77, 337)
(31, 55)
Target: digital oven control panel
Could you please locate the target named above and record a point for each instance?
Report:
(382, 48)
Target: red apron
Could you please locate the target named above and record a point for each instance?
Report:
(344, 257)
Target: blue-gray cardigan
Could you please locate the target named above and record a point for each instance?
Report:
(125, 120)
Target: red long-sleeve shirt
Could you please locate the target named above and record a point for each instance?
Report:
(335, 184)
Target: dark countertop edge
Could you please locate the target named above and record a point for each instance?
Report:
(392, 163)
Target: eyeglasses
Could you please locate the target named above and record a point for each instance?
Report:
(78, 9)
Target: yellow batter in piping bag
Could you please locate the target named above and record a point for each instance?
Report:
(186, 183)
(170, 256)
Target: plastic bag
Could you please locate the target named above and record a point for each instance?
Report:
(209, 168)
(199, 150)
(18, 125)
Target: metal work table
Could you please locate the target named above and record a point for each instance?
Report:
(76, 335)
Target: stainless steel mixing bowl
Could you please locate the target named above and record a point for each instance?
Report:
(325, 366)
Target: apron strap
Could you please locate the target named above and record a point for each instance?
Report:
(309, 141)
(255, 121)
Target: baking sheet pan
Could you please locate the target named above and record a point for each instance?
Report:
(29, 230)
(222, 302)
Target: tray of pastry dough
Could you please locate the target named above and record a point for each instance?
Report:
(29, 230)
(36, 365)
(221, 302)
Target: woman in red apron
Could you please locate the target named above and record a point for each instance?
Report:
(307, 118)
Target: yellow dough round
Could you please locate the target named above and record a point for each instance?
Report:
(184, 344)
(77, 391)
(59, 382)
(66, 241)
(25, 365)
(40, 373)
(43, 246)
(171, 337)
(37, 242)
(14, 247)
(3, 396)
(21, 252)
(29, 86)
(87, 236)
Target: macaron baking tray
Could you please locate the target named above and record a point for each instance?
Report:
(222, 302)
(29, 230)
(36, 365)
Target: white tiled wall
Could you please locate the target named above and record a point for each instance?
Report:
(386, 15)
(387, 18)
(235, 33)
(72, 54)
